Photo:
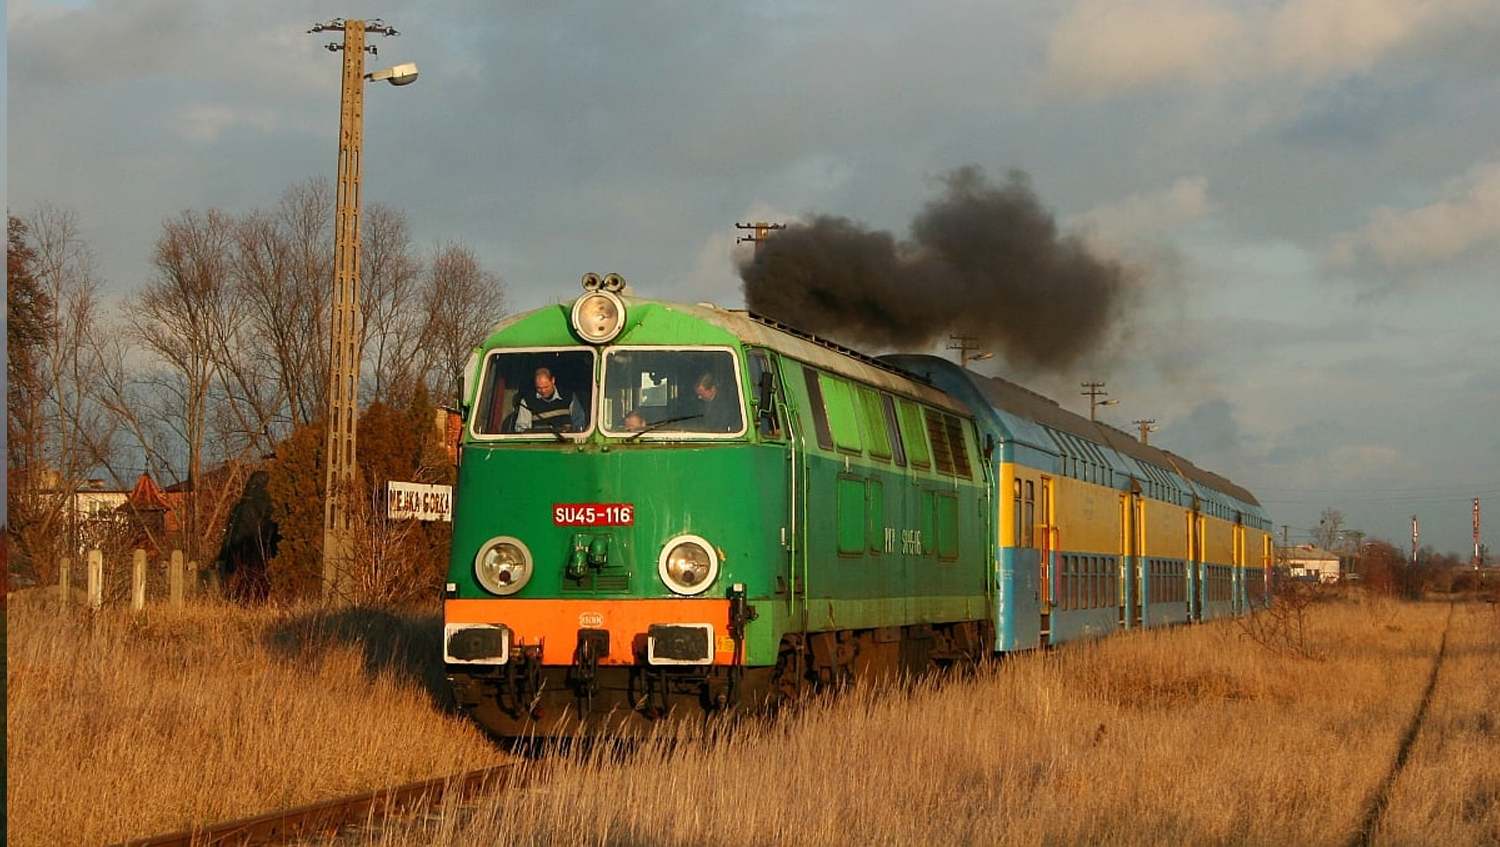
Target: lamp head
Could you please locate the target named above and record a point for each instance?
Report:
(403, 74)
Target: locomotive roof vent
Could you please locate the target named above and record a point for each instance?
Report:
(599, 315)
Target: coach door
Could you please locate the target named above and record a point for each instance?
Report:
(1237, 573)
(1194, 576)
(1131, 547)
(1047, 538)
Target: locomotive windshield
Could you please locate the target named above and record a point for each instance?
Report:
(655, 391)
(536, 393)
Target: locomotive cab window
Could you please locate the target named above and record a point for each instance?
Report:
(536, 393)
(654, 392)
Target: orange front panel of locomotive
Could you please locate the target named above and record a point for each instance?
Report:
(554, 624)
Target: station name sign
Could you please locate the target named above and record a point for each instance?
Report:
(407, 500)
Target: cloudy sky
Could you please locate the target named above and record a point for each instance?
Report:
(1305, 194)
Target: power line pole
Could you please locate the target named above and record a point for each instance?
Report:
(1095, 392)
(762, 231)
(344, 335)
(1147, 426)
(1477, 562)
(968, 349)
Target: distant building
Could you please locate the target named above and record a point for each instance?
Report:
(1308, 561)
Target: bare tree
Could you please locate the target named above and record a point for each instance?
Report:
(187, 317)
(390, 298)
(463, 300)
(1330, 524)
(283, 270)
(67, 435)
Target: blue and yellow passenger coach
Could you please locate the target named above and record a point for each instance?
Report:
(665, 507)
(668, 508)
(1097, 531)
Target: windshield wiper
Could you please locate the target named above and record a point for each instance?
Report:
(662, 423)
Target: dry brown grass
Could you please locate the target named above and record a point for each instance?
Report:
(1188, 736)
(1193, 735)
(1449, 791)
(125, 725)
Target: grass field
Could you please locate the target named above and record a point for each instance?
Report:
(130, 725)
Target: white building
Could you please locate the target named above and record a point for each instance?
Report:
(1308, 561)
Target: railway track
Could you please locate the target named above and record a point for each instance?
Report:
(1381, 799)
(329, 817)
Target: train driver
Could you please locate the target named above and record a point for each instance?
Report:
(549, 407)
(719, 413)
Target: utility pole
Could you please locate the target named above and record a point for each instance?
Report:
(345, 328)
(1414, 539)
(1147, 426)
(762, 231)
(1477, 561)
(1095, 392)
(968, 349)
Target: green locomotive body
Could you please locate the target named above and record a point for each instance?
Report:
(664, 508)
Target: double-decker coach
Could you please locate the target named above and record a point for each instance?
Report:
(1097, 532)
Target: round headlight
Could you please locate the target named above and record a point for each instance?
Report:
(598, 316)
(503, 565)
(688, 565)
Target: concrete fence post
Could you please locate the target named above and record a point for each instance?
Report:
(65, 583)
(179, 579)
(96, 580)
(195, 579)
(175, 576)
(138, 580)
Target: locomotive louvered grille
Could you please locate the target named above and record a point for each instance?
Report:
(595, 583)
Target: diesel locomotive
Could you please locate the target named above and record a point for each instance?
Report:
(666, 508)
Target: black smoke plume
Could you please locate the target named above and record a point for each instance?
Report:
(983, 261)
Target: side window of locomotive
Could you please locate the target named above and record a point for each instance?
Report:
(892, 426)
(536, 392)
(763, 389)
(914, 435)
(819, 410)
(949, 446)
(877, 436)
(843, 414)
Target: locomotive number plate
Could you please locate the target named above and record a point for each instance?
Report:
(593, 514)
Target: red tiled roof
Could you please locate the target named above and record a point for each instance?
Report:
(147, 496)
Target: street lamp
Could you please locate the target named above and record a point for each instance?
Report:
(1095, 392)
(344, 334)
(968, 350)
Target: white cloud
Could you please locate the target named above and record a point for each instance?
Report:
(208, 122)
(1335, 36)
(1466, 220)
(1102, 47)
(1145, 214)
(1105, 47)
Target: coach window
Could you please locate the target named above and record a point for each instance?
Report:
(1017, 536)
(1030, 522)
